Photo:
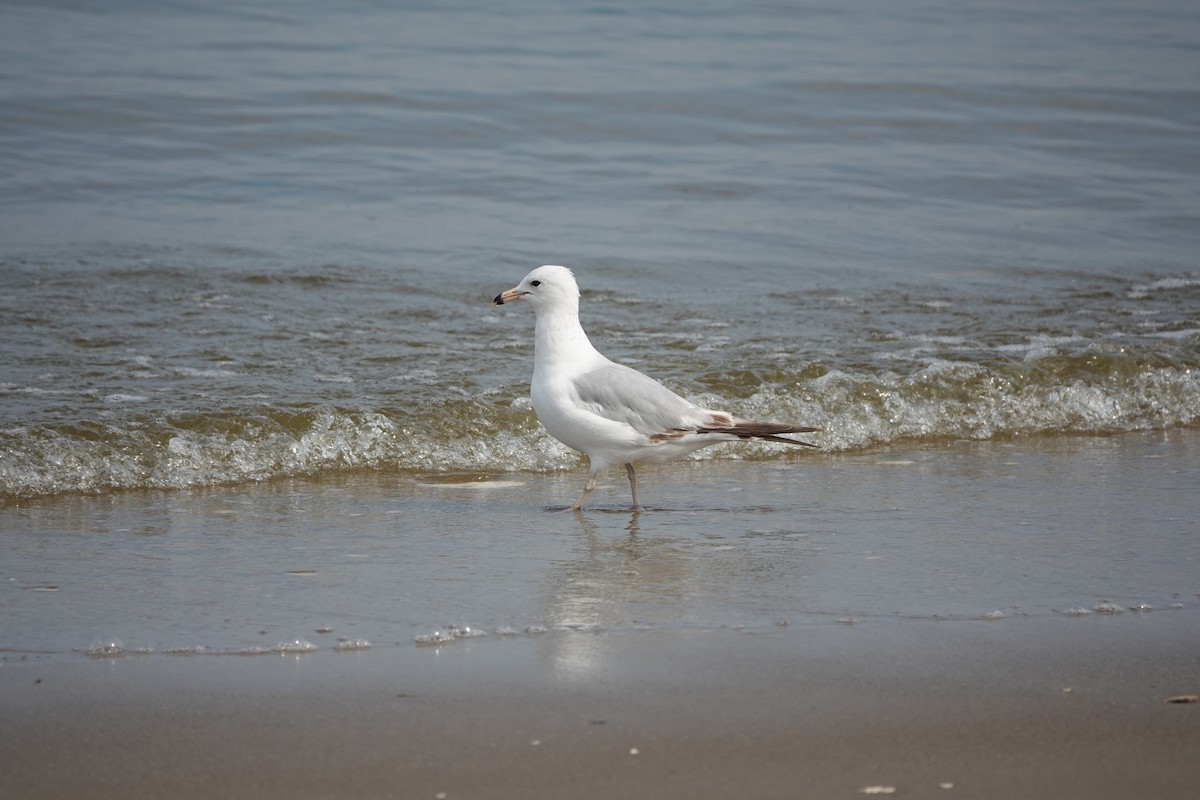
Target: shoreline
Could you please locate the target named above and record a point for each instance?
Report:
(1023, 707)
(665, 633)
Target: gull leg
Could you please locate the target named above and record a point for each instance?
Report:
(591, 484)
(632, 483)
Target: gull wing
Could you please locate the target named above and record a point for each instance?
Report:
(619, 393)
(623, 394)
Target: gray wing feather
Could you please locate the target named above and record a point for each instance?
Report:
(620, 393)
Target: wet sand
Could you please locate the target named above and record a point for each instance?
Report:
(925, 619)
(1055, 707)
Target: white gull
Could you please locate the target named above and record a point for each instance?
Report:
(613, 413)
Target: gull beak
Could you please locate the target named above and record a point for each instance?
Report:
(509, 296)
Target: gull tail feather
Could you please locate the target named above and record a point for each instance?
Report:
(763, 431)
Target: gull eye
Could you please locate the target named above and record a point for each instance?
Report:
(535, 283)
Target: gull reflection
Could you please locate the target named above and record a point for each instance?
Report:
(614, 580)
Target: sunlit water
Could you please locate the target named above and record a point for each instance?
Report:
(984, 532)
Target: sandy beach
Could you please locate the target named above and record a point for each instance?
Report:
(1065, 708)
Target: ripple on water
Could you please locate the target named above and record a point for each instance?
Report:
(297, 644)
(106, 647)
(347, 644)
(433, 639)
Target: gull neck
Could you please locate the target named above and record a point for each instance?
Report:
(559, 338)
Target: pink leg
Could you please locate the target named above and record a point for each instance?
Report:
(591, 484)
(632, 483)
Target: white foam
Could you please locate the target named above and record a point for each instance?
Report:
(297, 645)
(424, 376)
(1185, 333)
(434, 638)
(193, 372)
(188, 650)
(1143, 290)
(105, 647)
(253, 650)
(943, 398)
(465, 632)
(348, 644)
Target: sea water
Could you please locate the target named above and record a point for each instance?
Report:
(250, 243)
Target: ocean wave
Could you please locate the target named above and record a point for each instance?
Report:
(1093, 392)
(960, 400)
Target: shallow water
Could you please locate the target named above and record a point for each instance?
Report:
(991, 532)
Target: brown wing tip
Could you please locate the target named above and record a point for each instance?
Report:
(770, 432)
(763, 431)
(749, 427)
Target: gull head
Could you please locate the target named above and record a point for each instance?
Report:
(548, 286)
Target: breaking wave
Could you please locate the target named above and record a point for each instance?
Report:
(1040, 391)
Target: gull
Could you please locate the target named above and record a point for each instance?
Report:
(610, 412)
